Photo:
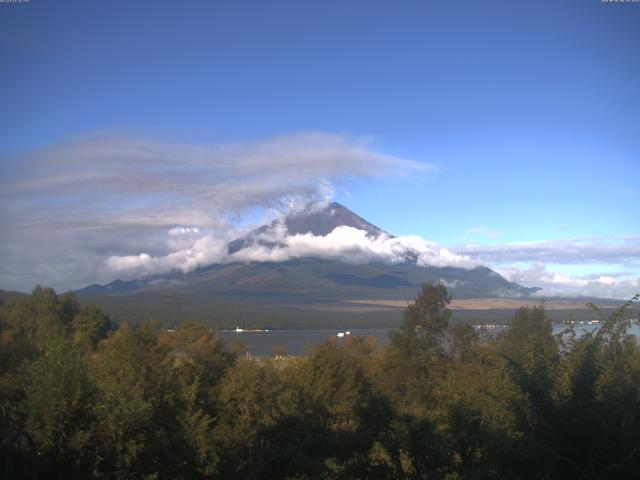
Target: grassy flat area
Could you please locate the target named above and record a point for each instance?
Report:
(217, 312)
(488, 303)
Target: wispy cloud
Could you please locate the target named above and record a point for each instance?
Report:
(127, 173)
(64, 210)
(484, 231)
(355, 246)
(529, 263)
(578, 251)
(607, 285)
(102, 208)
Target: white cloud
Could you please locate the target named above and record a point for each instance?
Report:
(547, 264)
(205, 251)
(565, 251)
(351, 245)
(94, 210)
(346, 244)
(355, 246)
(553, 283)
(64, 210)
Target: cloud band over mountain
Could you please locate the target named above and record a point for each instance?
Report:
(110, 207)
(346, 244)
(351, 245)
(64, 210)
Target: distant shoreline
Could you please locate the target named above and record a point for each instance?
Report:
(487, 304)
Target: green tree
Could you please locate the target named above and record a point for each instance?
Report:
(464, 340)
(199, 362)
(254, 399)
(198, 355)
(59, 398)
(41, 315)
(338, 392)
(596, 418)
(140, 435)
(422, 332)
(90, 326)
(415, 359)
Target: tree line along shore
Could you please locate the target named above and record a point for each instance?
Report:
(82, 398)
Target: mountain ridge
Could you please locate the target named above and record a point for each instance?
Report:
(317, 221)
(306, 279)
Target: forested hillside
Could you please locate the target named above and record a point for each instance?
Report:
(82, 399)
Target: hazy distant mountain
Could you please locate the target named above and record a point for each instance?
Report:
(7, 296)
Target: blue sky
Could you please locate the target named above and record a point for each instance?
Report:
(527, 114)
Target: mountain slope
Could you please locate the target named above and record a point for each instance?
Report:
(303, 282)
(319, 222)
(307, 279)
(7, 297)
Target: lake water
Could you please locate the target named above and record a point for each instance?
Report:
(297, 342)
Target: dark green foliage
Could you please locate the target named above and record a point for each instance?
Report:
(258, 422)
(58, 403)
(578, 409)
(90, 326)
(463, 340)
(414, 361)
(425, 323)
(81, 399)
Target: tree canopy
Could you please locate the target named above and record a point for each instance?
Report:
(81, 398)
